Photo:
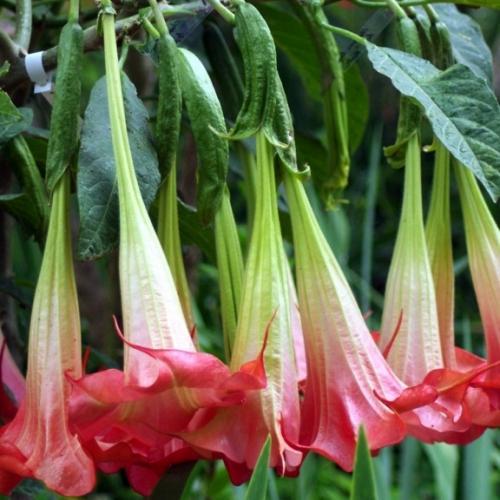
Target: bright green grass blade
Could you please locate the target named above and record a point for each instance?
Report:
(257, 488)
(363, 480)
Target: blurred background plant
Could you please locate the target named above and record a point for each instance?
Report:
(361, 231)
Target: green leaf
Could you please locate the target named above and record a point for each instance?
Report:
(257, 488)
(477, 467)
(205, 115)
(96, 181)
(363, 480)
(469, 46)
(444, 461)
(21, 207)
(194, 233)
(466, 122)
(13, 121)
(225, 69)
(493, 4)
(358, 106)
(292, 38)
(4, 68)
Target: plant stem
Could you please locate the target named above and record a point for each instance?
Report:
(160, 20)
(396, 8)
(119, 136)
(92, 41)
(404, 3)
(348, 34)
(152, 31)
(23, 23)
(74, 11)
(222, 10)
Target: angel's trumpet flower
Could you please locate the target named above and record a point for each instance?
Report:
(483, 251)
(128, 418)
(265, 321)
(346, 370)
(410, 328)
(38, 442)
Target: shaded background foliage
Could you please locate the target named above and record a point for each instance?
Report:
(361, 231)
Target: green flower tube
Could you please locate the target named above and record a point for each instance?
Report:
(439, 246)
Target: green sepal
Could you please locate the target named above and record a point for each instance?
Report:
(168, 119)
(443, 54)
(259, 62)
(278, 130)
(63, 139)
(410, 116)
(206, 117)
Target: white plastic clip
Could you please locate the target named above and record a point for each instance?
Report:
(37, 73)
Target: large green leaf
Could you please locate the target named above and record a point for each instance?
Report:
(96, 181)
(257, 488)
(461, 107)
(469, 46)
(22, 208)
(13, 121)
(363, 481)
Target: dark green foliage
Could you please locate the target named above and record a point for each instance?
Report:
(96, 181)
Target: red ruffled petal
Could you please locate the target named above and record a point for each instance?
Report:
(131, 423)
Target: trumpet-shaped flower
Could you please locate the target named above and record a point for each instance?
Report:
(346, 370)
(410, 328)
(237, 434)
(483, 251)
(128, 418)
(38, 442)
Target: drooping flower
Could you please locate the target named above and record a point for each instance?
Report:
(483, 251)
(237, 434)
(410, 326)
(346, 370)
(128, 418)
(39, 442)
(414, 344)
